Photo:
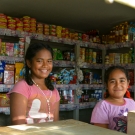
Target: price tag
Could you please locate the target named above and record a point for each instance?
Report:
(18, 33)
(54, 39)
(85, 44)
(26, 33)
(40, 37)
(91, 86)
(30, 34)
(2, 31)
(27, 39)
(125, 45)
(13, 33)
(8, 32)
(114, 46)
(46, 38)
(22, 34)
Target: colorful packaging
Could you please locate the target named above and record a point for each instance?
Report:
(16, 49)
(4, 100)
(18, 75)
(9, 74)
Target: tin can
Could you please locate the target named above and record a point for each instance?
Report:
(90, 77)
(121, 58)
(94, 54)
(125, 58)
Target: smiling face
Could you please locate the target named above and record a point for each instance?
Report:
(41, 64)
(117, 84)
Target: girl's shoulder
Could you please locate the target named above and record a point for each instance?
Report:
(102, 103)
(21, 82)
(55, 90)
(129, 100)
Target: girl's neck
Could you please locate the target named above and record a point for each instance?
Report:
(116, 101)
(40, 83)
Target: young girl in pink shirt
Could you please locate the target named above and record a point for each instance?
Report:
(34, 99)
(112, 112)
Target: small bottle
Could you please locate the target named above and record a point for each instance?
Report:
(116, 31)
(61, 97)
(107, 59)
(131, 31)
(100, 80)
(100, 57)
(86, 97)
(97, 57)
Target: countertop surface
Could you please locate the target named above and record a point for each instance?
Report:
(64, 127)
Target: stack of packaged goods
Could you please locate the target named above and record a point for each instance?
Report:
(13, 49)
(66, 96)
(46, 29)
(52, 30)
(21, 47)
(58, 31)
(3, 21)
(85, 37)
(9, 74)
(32, 25)
(93, 36)
(82, 54)
(120, 58)
(40, 28)
(121, 33)
(19, 24)
(26, 23)
(90, 56)
(29, 24)
(11, 23)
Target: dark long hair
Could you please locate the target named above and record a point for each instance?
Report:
(30, 53)
(107, 74)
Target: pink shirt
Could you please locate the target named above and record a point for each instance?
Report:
(37, 108)
(113, 115)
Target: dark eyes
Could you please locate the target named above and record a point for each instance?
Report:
(39, 60)
(113, 81)
(49, 61)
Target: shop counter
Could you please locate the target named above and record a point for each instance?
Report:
(63, 127)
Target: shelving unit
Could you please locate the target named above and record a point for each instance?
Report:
(66, 43)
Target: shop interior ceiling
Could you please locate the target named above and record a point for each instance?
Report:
(81, 15)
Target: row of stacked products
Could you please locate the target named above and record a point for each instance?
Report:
(90, 56)
(67, 55)
(91, 95)
(31, 25)
(12, 49)
(121, 33)
(91, 77)
(120, 58)
(67, 96)
(68, 76)
(10, 73)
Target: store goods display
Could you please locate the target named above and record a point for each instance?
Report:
(91, 53)
(67, 55)
(64, 77)
(28, 24)
(120, 58)
(121, 33)
(90, 56)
